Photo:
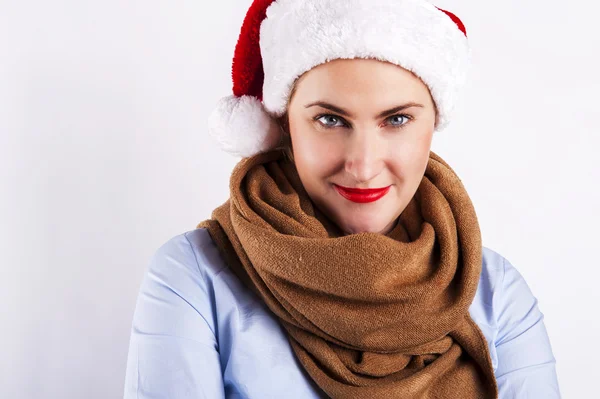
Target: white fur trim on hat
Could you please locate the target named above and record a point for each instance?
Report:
(299, 35)
(242, 127)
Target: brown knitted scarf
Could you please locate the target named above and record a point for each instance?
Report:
(368, 315)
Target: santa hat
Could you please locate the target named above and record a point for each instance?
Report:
(282, 39)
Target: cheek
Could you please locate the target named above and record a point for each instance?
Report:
(420, 151)
(315, 156)
(409, 158)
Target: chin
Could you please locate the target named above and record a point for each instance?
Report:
(355, 218)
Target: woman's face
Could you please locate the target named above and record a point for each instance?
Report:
(340, 137)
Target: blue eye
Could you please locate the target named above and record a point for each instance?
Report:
(335, 118)
(398, 120)
(399, 116)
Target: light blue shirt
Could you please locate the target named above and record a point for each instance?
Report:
(199, 333)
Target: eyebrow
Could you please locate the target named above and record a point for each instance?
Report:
(346, 113)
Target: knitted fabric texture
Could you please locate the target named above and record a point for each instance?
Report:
(368, 315)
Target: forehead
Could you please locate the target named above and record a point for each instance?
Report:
(360, 81)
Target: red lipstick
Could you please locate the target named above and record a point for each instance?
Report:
(362, 195)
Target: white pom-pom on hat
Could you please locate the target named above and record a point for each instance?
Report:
(240, 123)
(242, 127)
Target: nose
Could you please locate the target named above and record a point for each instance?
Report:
(364, 156)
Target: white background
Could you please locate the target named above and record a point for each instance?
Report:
(104, 156)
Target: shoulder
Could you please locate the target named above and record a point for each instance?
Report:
(499, 279)
(522, 355)
(205, 252)
(489, 288)
(173, 350)
(510, 305)
(180, 273)
(192, 251)
(503, 296)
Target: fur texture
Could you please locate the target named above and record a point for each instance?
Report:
(241, 126)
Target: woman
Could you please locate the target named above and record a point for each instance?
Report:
(348, 261)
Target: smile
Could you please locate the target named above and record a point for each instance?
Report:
(362, 195)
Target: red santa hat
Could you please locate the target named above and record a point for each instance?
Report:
(282, 39)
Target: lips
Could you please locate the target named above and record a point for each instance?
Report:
(362, 195)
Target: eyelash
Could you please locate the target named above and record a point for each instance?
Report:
(408, 117)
